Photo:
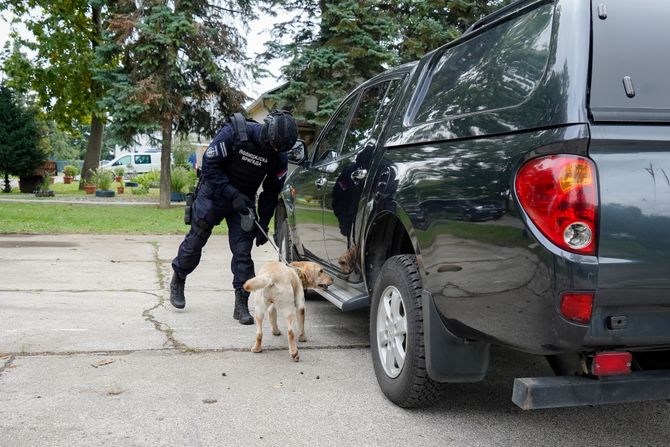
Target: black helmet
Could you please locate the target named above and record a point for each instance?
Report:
(281, 130)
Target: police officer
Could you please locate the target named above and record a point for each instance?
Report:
(243, 155)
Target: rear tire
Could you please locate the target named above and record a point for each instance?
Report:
(396, 335)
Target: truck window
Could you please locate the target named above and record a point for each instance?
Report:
(123, 161)
(142, 159)
(498, 68)
(332, 135)
(363, 119)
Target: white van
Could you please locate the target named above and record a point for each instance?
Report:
(140, 162)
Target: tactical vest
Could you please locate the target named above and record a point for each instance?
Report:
(247, 163)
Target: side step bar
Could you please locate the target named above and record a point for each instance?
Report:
(346, 299)
(532, 393)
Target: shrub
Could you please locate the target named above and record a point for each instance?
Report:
(119, 171)
(149, 179)
(140, 191)
(70, 170)
(102, 178)
(179, 179)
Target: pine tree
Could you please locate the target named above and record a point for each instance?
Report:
(176, 69)
(334, 45)
(20, 153)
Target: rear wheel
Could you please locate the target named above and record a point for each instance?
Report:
(396, 335)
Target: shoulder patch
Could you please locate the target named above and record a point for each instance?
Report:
(222, 149)
(211, 152)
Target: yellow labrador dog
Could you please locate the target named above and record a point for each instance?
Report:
(279, 287)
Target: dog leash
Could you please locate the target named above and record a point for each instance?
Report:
(281, 257)
(247, 222)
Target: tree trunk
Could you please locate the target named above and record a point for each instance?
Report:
(92, 157)
(6, 188)
(166, 151)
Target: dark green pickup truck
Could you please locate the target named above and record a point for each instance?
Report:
(509, 188)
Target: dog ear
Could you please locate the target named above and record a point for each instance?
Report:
(303, 277)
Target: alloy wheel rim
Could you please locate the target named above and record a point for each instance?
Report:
(391, 331)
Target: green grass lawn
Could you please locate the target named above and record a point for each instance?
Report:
(36, 218)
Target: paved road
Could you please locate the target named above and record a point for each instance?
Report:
(91, 354)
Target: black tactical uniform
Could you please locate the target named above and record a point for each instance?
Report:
(239, 159)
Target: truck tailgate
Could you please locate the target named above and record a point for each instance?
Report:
(633, 296)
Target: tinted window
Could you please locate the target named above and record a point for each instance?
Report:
(498, 68)
(332, 135)
(142, 159)
(363, 119)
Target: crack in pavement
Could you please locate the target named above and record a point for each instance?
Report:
(77, 291)
(8, 363)
(148, 316)
(189, 351)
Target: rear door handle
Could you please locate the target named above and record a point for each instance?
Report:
(320, 182)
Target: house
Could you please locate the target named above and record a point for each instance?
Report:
(263, 105)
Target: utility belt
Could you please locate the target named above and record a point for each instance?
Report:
(190, 200)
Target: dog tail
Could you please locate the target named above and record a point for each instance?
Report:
(257, 283)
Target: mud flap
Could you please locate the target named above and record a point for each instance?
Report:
(450, 358)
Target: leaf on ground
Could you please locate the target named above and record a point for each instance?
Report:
(102, 363)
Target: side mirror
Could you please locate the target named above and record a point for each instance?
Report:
(298, 153)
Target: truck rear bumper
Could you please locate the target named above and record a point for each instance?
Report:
(532, 393)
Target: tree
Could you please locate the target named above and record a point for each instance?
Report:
(20, 153)
(334, 45)
(66, 34)
(176, 71)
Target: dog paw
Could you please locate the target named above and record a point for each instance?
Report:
(277, 332)
(256, 349)
(302, 338)
(295, 356)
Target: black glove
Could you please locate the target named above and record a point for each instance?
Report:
(242, 204)
(260, 237)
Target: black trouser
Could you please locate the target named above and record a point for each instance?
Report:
(208, 211)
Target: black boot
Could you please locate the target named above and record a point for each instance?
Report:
(242, 307)
(177, 297)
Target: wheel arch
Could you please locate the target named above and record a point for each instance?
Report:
(382, 228)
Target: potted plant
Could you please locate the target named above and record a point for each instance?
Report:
(118, 177)
(103, 181)
(118, 173)
(43, 189)
(69, 171)
(178, 182)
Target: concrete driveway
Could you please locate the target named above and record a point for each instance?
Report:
(92, 353)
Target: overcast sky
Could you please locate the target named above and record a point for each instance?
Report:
(256, 39)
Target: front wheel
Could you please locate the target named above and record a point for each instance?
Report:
(396, 335)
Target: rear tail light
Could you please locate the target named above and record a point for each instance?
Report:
(559, 194)
(612, 363)
(577, 307)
